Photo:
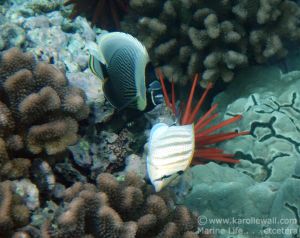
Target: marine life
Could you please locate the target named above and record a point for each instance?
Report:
(72, 166)
(123, 64)
(173, 148)
(103, 13)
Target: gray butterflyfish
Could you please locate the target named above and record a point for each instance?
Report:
(123, 64)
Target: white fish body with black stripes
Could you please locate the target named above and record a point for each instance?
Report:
(171, 150)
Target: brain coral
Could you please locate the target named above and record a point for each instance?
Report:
(39, 110)
(125, 209)
(213, 37)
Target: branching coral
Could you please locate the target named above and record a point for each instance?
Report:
(12, 213)
(212, 37)
(103, 13)
(39, 110)
(119, 209)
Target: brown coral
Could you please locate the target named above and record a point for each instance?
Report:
(39, 111)
(214, 38)
(119, 209)
(12, 213)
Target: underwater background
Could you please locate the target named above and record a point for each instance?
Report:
(72, 165)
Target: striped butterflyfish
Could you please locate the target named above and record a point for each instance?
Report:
(171, 150)
(123, 64)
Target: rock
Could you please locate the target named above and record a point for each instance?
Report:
(37, 22)
(11, 35)
(103, 152)
(136, 164)
(28, 192)
(68, 173)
